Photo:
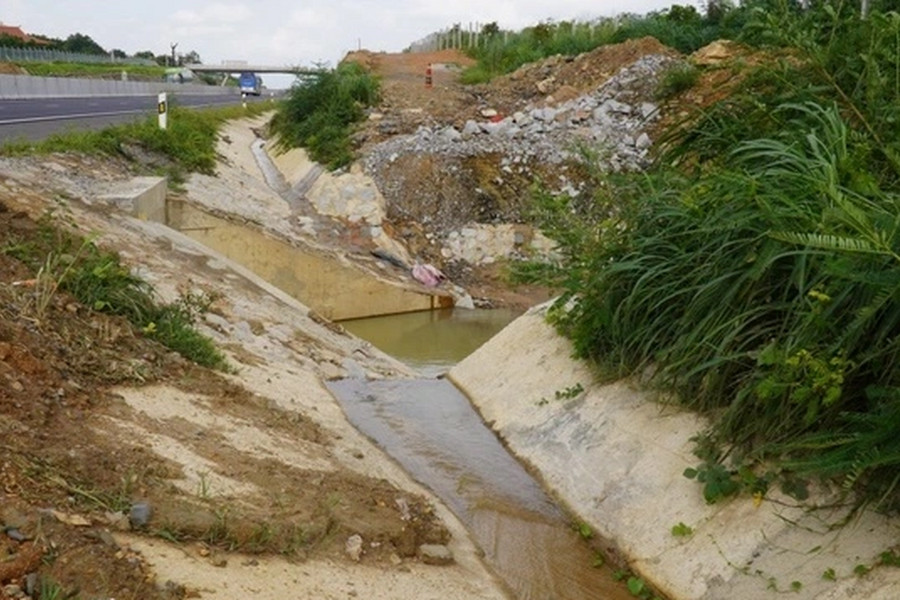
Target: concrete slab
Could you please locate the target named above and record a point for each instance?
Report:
(616, 458)
(141, 197)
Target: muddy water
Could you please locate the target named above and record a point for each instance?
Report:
(432, 341)
(430, 428)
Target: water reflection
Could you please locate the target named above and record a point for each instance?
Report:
(430, 428)
(432, 341)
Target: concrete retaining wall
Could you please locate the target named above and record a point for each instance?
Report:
(26, 86)
(327, 283)
(616, 458)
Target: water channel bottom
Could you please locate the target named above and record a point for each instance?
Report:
(430, 428)
(432, 341)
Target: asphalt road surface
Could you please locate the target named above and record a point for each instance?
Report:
(38, 118)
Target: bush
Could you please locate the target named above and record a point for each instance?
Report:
(676, 80)
(319, 113)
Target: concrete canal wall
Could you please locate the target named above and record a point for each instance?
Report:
(616, 458)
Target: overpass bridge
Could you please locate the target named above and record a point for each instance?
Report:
(241, 67)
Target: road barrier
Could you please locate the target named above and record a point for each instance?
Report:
(26, 86)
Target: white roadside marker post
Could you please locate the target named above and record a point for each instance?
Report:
(163, 110)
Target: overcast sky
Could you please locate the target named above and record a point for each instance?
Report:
(298, 32)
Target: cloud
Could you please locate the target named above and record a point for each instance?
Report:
(215, 12)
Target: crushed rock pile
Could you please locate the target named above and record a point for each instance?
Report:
(430, 177)
(616, 116)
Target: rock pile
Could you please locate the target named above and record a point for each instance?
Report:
(614, 119)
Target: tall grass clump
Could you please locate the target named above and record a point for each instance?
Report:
(319, 113)
(754, 274)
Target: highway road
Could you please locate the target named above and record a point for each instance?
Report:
(37, 118)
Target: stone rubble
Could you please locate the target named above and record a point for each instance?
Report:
(615, 119)
(615, 116)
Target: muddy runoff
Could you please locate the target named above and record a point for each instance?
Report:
(431, 429)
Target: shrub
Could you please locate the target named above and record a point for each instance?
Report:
(319, 113)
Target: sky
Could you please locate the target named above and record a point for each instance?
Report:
(282, 32)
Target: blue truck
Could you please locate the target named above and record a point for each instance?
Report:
(250, 83)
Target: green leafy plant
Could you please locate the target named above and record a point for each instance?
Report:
(584, 530)
(682, 530)
(636, 586)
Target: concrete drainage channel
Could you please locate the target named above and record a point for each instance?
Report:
(430, 428)
(427, 425)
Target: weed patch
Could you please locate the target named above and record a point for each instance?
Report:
(97, 279)
(758, 282)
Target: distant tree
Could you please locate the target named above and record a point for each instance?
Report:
(83, 44)
(716, 10)
(147, 54)
(190, 58)
(543, 32)
(491, 29)
(11, 41)
(683, 14)
(118, 53)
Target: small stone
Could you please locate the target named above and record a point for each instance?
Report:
(17, 386)
(218, 561)
(354, 547)
(435, 554)
(14, 534)
(31, 585)
(139, 515)
(117, 520)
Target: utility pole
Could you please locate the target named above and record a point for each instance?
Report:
(173, 46)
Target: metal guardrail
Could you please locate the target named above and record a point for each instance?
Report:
(17, 54)
(25, 86)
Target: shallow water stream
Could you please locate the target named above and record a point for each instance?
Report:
(431, 429)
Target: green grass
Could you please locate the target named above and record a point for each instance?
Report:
(188, 144)
(92, 70)
(676, 80)
(759, 281)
